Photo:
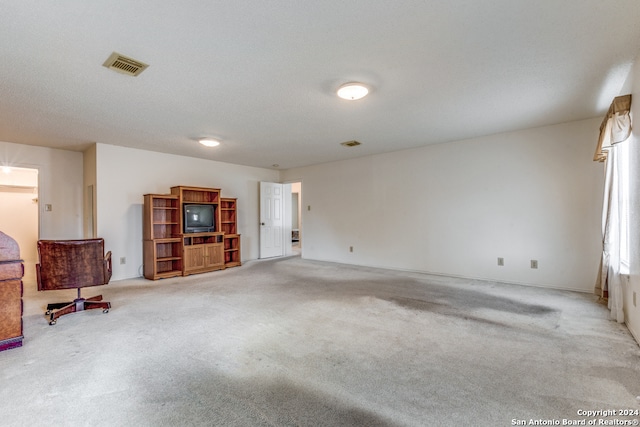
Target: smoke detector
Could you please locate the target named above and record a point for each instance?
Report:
(125, 65)
(350, 143)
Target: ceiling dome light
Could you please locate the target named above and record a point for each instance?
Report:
(209, 142)
(352, 91)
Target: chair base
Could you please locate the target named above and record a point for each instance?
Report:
(78, 304)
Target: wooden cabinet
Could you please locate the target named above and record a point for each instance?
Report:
(11, 272)
(203, 252)
(173, 247)
(229, 223)
(162, 244)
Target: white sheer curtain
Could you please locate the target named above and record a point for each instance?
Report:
(610, 281)
(613, 148)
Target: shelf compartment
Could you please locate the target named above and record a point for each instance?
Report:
(232, 256)
(168, 268)
(228, 204)
(197, 194)
(168, 250)
(162, 258)
(231, 242)
(202, 238)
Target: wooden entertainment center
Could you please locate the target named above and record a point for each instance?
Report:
(174, 247)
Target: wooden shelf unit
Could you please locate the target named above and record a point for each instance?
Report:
(162, 216)
(232, 250)
(228, 214)
(162, 246)
(169, 251)
(162, 258)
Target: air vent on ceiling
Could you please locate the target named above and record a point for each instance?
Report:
(350, 143)
(124, 65)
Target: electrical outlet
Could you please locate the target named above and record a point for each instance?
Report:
(534, 263)
(350, 248)
(123, 260)
(501, 262)
(308, 207)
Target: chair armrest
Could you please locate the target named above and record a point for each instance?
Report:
(107, 267)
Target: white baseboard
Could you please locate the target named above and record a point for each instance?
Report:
(634, 334)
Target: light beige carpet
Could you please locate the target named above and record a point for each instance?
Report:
(290, 342)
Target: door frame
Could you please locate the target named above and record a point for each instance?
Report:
(285, 207)
(271, 215)
(29, 250)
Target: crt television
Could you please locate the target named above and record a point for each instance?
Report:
(199, 218)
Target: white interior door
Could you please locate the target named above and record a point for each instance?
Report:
(271, 219)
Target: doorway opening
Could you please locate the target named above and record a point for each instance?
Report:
(19, 213)
(280, 219)
(296, 216)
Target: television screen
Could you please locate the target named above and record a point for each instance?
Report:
(199, 218)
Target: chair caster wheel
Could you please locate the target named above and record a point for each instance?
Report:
(48, 312)
(52, 322)
(106, 310)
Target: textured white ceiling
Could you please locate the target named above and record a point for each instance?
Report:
(261, 76)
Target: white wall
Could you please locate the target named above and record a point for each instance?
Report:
(455, 208)
(632, 312)
(60, 175)
(124, 175)
(60, 185)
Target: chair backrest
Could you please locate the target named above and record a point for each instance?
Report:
(66, 264)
